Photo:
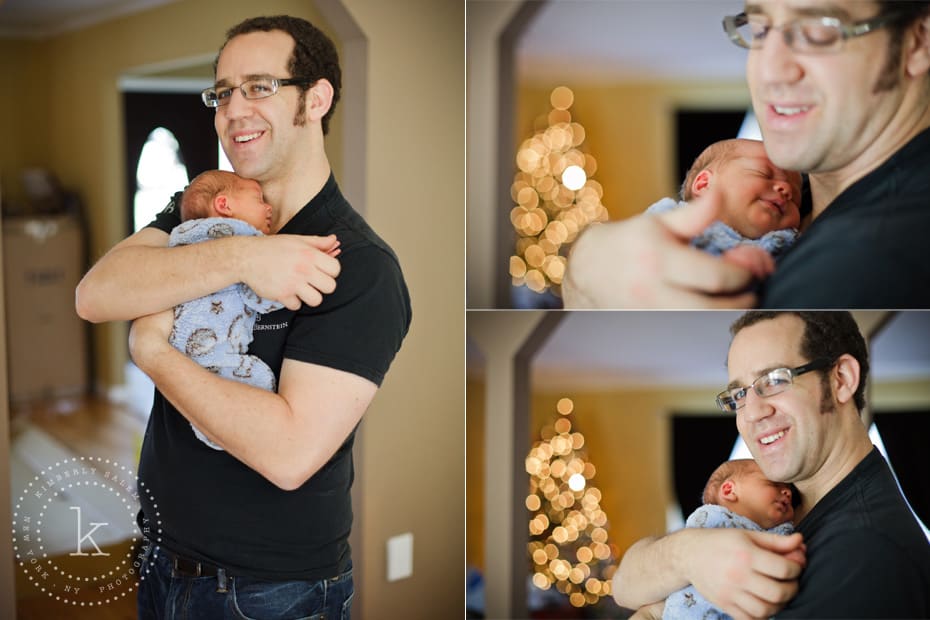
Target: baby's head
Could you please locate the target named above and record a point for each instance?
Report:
(756, 196)
(217, 193)
(742, 487)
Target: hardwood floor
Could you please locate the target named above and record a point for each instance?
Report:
(93, 427)
(33, 605)
(88, 426)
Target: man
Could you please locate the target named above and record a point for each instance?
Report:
(267, 520)
(841, 91)
(797, 385)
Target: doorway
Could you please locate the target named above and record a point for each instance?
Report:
(189, 124)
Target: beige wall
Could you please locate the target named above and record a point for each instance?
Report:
(411, 464)
(7, 600)
(413, 470)
(486, 20)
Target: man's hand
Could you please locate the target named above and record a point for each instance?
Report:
(746, 574)
(650, 612)
(141, 275)
(646, 262)
(292, 268)
(149, 336)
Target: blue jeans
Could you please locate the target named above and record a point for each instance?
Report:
(165, 595)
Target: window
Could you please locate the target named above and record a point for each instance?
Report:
(159, 175)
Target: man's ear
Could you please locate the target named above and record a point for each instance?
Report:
(701, 182)
(728, 490)
(319, 99)
(845, 378)
(917, 54)
(221, 205)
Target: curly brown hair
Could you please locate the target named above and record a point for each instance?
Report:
(826, 334)
(314, 56)
(903, 15)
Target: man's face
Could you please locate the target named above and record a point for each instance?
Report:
(757, 197)
(787, 433)
(249, 205)
(258, 135)
(818, 111)
(766, 502)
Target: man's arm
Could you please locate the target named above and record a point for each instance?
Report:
(141, 275)
(743, 573)
(286, 437)
(646, 262)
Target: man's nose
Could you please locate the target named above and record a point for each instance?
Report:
(776, 62)
(238, 105)
(756, 407)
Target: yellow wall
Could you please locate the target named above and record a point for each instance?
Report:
(629, 130)
(900, 395)
(24, 109)
(626, 434)
(474, 472)
(627, 438)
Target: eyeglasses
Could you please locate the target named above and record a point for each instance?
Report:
(258, 88)
(773, 382)
(805, 35)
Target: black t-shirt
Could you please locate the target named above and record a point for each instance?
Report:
(868, 249)
(212, 507)
(866, 555)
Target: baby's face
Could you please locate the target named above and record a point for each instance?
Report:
(757, 196)
(249, 205)
(765, 502)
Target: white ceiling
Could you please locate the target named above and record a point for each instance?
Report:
(604, 349)
(621, 349)
(610, 41)
(567, 41)
(37, 19)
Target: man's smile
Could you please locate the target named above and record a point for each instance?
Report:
(242, 138)
(771, 438)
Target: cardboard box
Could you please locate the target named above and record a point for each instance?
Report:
(43, 260)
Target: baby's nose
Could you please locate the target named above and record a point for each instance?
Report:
(784, 189)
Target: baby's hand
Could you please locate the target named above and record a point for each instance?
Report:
(753, 258)
(798, 555)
